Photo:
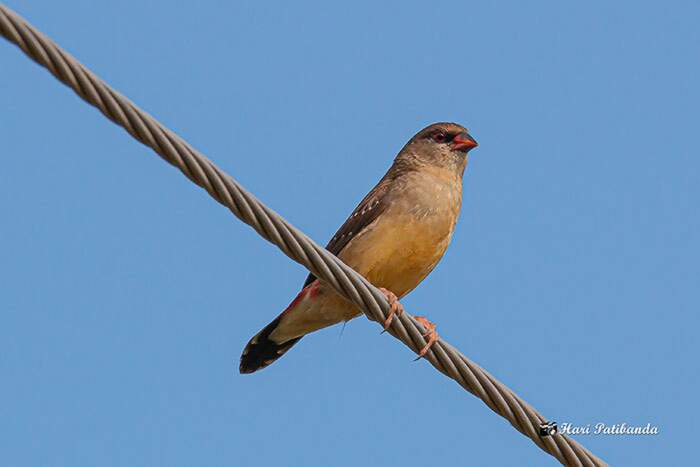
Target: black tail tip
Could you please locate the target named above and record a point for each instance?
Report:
(245, 368)
(259, 353)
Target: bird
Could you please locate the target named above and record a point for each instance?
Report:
(394, 238)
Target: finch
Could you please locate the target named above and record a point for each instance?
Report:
(394, 238)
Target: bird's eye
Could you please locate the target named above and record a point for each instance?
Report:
(439, 136)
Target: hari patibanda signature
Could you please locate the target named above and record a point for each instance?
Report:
(606, 429)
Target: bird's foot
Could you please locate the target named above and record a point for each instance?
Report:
(395, 307)
(431, 334)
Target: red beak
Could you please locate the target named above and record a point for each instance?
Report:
(464, 142)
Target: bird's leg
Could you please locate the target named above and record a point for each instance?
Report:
(395, 307)
(431, 334)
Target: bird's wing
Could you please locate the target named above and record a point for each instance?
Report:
(364, 214)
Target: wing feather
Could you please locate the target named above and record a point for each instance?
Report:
(364, 214)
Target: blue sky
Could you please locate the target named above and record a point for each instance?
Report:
(127, 294)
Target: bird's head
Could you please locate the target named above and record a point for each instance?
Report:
(440, 144)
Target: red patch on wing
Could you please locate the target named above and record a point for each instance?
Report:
(310, 290)
(314, 288)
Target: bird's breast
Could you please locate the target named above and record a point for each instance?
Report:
(400, 248)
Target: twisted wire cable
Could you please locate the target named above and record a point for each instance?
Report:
(294, 243)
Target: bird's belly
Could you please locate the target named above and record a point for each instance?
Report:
(400, 251)
(396, 253)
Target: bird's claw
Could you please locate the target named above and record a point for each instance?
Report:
(431, 334)
(395, 307)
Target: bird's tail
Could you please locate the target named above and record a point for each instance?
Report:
(262, 351)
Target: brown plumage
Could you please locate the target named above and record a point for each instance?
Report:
(395, 237)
